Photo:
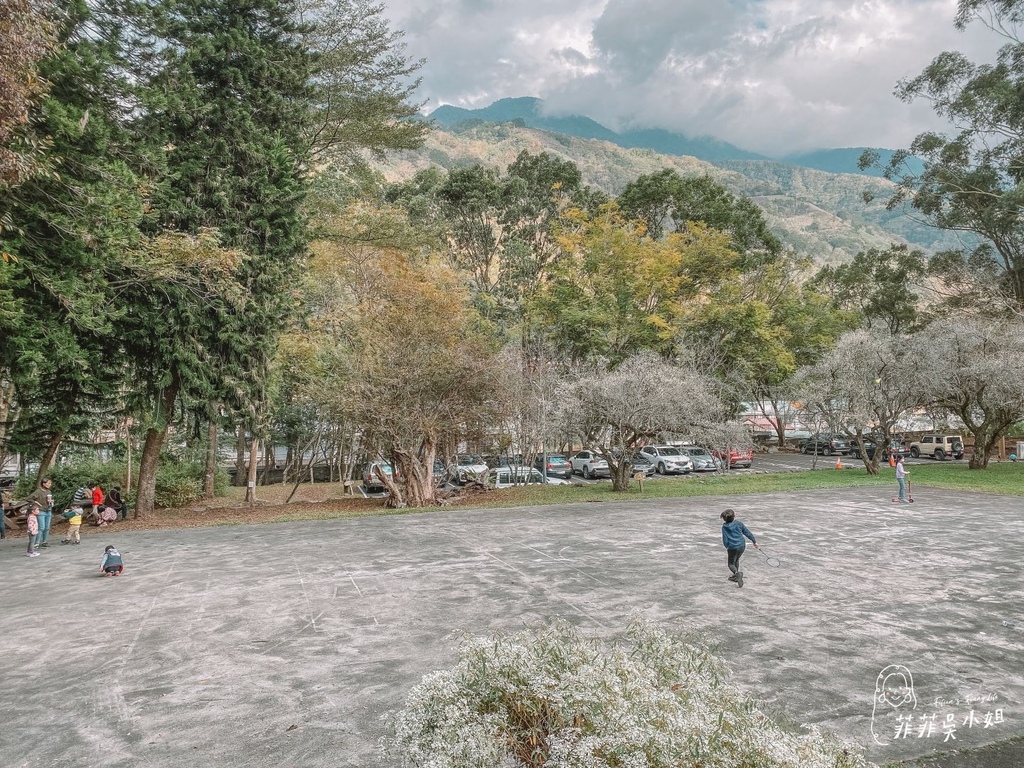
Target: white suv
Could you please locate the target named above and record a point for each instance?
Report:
(938, 447)
(668, 458)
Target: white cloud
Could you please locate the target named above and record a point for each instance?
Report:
(768, 75)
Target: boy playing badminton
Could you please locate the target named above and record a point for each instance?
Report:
(733, 532)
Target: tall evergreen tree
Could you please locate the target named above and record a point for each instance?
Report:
(228, 102)
(74, 227)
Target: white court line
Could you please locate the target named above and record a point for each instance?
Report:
(533, 582)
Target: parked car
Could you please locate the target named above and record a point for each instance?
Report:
(589, 464)
(668, 459)
(826, 443)
(466, 467)
(703, 460)
(734, 456)
(371, 479)
(509, 476)
(555, 466)
(639, 462)
(938, 447)
(896, 448)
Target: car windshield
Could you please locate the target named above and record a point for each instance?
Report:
(696, 452)
(557, 460)
(669, 452)
(467, 460)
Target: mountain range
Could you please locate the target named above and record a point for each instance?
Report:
(817, 211)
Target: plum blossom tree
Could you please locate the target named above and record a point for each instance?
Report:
(866, 381)
(643, 399)
(973, 369)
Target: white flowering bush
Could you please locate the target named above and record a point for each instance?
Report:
(554, 698)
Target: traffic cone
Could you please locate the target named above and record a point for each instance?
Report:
(839, 462)
(892, 460)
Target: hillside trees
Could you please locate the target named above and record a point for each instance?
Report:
(971, 181)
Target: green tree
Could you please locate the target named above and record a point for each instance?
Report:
(26, 37)
(362, 83)
(75, 228)
(229, 103)
(877, 287)
(666, 201)
(971, 181)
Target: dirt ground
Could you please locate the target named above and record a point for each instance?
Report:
(319, 501)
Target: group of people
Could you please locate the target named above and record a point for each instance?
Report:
(103, 509)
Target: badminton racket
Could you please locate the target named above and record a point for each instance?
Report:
(773, 562)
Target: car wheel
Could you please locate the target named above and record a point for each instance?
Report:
(586, 472)
(807, 450)
(940, 454)
(661, 468)
(915, 453)
(828, 450)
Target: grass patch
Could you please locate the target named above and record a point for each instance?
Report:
(327, 501)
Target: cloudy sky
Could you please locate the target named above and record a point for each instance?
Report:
(773, 76)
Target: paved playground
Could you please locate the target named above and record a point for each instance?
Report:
(283, 645)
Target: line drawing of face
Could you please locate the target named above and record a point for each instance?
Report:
(894, 688)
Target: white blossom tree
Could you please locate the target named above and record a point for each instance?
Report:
(974, 369)
(644, 398)
(866, 382)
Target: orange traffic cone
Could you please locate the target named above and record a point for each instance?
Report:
(839, 462)
(892, 460)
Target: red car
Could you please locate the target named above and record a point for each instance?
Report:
(734, 457)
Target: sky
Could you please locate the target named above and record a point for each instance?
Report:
(771, 76)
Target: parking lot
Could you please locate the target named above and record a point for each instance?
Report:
(763, 462)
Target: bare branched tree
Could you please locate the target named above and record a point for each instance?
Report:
(644, 398)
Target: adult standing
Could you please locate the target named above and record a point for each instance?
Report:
(43, 497)
(901, 478)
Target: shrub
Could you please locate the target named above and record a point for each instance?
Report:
(180, 483)
(554, 698)
(68, 477)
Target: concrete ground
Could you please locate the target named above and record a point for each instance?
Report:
(283, 645)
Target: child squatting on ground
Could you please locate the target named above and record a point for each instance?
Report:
(733, 532)
(112, 563)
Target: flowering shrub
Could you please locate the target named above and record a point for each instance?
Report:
(556, 699)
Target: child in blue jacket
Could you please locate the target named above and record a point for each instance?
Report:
(733, 532)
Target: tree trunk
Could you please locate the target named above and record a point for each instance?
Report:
(51, 451)
(211, 457)
(250, 475)
(239, 456)
(414, 476)
(145, 500)
(6, 398)
(620, 475)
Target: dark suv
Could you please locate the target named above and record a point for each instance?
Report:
(827, 443)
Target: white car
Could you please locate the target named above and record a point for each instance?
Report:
(589, 464)
(667, 459)
(467, 466)
(508, 477)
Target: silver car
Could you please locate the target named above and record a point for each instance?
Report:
(667, 459)
(702, 459)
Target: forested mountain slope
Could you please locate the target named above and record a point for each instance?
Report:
(818, 214)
